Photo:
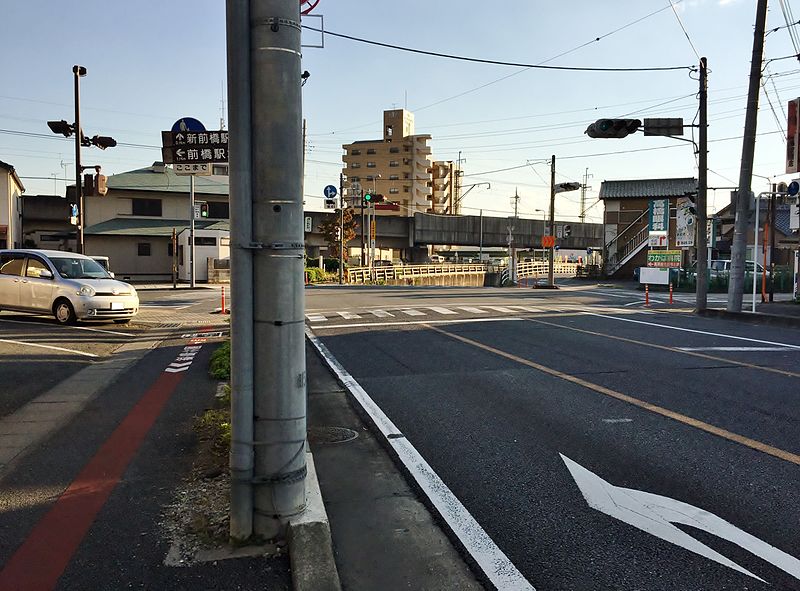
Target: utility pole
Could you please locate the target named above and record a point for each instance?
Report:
(772, 199)
(584, 186)
(79, 71)
(701, 239)
(512, 250)
(739, 246)
(551, 282)
(272, 52)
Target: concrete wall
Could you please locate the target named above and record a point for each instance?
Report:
(124, 259)
(449, 279)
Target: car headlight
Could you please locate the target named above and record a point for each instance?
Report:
(86, 290)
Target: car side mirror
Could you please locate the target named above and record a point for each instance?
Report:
(45, 274)
(111, 274)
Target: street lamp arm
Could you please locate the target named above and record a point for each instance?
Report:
(464, 194)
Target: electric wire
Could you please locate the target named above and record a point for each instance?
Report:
(685, 32)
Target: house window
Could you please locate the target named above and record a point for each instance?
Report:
(355, 179)
(148, 207)
(143, 249)
(406, 175)
(218, 210)
(220, 169)
(370, 150)
(355, 152)
(205, 241)
(370, 165)
(394, 163)
(394, 177)
(394, 190)
(406, 189)
(394, 150)
(355, 165)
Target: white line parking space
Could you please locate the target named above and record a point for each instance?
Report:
(50, 347)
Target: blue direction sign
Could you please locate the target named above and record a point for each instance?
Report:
(188, 124)
(330, 192)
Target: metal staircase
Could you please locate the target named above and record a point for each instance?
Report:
(630, 242)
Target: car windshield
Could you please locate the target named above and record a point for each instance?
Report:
(79, 268)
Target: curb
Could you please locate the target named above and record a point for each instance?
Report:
(310, 544)
(752, 317)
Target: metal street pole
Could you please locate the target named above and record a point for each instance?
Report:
(772, 199)
(755, 252)
(191, 230)
(701, 240)
(241, 216)
(551, 253)
(279, 479)
(341, 229)
(363, 253)
(480, 247)
(79, 71)
(739, 246)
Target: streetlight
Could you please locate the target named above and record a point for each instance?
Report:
(63, 128)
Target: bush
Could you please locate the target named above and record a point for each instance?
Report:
(221, 362)
(332, 265)
(315, 274)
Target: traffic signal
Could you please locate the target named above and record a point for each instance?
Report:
(338, 233)
(373, 198)
(613, 128)
(567, 230)
(103, 141)
(204, 210)
(100, 185)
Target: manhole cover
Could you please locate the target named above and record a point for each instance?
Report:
(323, 435)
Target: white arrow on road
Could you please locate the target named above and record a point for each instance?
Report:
(656, 514)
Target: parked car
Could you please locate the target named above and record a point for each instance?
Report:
(722, 268)
(67, 285)
(436, 259)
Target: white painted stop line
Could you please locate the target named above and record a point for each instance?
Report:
(442, 310)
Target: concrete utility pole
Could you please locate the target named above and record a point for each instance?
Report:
(584, 187)
(701, 239)
(511, 248)
(739, 246)
(341, 229)
(272, 37)
(551, 280)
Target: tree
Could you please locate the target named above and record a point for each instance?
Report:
(329, 226)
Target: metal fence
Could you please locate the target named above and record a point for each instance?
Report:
(382, 274)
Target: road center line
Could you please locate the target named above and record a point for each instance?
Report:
(654, 408)
(711, 334)
(51, 347)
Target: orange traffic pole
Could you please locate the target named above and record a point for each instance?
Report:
(670, 292)
(223, 299)
(646, 294)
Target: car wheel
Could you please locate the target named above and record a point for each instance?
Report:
(123, 321)
(64, 312)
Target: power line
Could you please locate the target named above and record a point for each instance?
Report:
(680, 22)
(498, 62)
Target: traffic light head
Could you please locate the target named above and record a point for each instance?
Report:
(103, 141)
(373, 198)
(204, 210)
(613, 128)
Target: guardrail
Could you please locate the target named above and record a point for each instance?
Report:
(377, 274)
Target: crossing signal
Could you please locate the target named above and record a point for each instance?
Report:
(204, 210)
(373, 198)
(613, 128)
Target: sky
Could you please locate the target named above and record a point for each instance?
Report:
(150, 63)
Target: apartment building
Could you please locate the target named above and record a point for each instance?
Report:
(445, 181)
(11, 190)
(398, 166)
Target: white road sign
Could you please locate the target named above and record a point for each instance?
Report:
(199, 168)
(656, 514)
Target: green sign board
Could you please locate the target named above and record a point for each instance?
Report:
(659, 216)
(664, 258)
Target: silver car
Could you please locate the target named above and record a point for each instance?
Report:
(67, 285)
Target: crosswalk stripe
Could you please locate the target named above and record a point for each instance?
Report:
(316, 318)
(382, 314)
(348, 315)
(501, 309)
(527, 308)
(412, 312)
(472, 310)
(442, 310)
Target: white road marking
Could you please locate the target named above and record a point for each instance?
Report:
(497, 567)
(51, 347)
(656, 514)
(348, 315)
(316, 318)
(442, 310)
(500, 309)
(412, 312)
(743, 349)
(711, 334)
(412, 322)
(382, 314)
(472, 310)
(102, 330)
(614, 421)
(527, 309)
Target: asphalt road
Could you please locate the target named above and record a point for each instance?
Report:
(36, 353)
(531, 405)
